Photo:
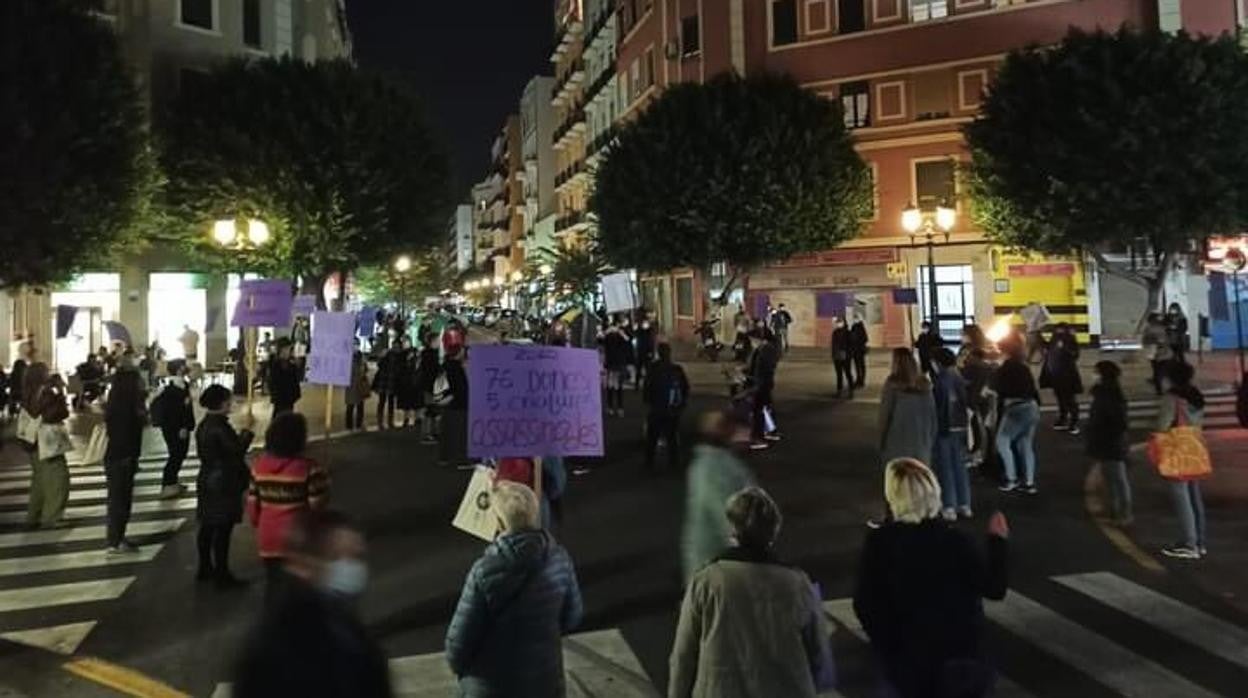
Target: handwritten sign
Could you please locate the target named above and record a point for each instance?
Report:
(304, 304)
(534, 401)
(263, 303)
(333, 336)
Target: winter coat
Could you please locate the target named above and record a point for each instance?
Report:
(457, 379)
(715, 474)
(978, 376)
(1189, 399)
(407, 387)
(223, 473)
(428, 368)
(282, 488)
(662, 377)
(842, 344)
(284, 382)
(360, 388)
(763, 363)
(949, 391)
(1013, 382)
(749, 626)
(919, 597)
(1106, 429)
(178, 412)
(644, 337)
(310, 644)
(617, 350)
(907, 421)
(1061, 365)
(518, 601)
(124, 425)
(858, 339)
(386, 379)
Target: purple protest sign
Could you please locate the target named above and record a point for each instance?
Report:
(263, 303)
(304, 304)
(534, 401)
(333, 344)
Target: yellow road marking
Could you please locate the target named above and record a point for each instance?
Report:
(121, 679)
(1093, 482)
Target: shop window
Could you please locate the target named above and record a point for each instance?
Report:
(783, 22)
(931, 96)
(690, 36)
(923, 10)
(856, 103)
(684, 296)
(851, 16)
(935, 183)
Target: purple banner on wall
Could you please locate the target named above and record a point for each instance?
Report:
(906, 296)
(263, 303)
(761, 302)
(333, 344)
(534, 401)
(831, 303)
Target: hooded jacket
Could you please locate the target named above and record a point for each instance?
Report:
(505, 638)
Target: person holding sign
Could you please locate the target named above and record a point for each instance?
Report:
(518, 601)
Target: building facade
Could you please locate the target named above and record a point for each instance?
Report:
(158, 294)
(569, 139)
(537, 127)
(459, 239)
(909, 74)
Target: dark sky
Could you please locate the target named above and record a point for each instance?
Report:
(469, 59)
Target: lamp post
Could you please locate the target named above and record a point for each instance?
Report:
(1235, 260)
(402, 265)
(226, 234)
(925, 225)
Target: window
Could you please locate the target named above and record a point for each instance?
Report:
(783, 22)
(634, 75)
(684, 296)
(198, 13)
(856, 103)
(851, 16)
(690, 39)
(818, 20)
(971, 86)
(251, 23)
(890, 100)
(931, 96)
(648, 76)
(934, 183)
(923, 10)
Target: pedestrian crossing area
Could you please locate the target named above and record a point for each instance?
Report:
(55, 584)
(1142, 413)
(1111, 637)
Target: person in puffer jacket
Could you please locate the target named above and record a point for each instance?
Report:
(520, 598)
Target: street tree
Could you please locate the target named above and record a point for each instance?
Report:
(427, 276)
(76, 170)
(337, 160)
(738, 170)
(1115, 142)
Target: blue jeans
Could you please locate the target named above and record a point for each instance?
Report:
(1015, 436)
(1191, 508)
(955, 483)
(1118, 487)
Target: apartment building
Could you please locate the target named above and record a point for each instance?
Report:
(569, 139)
(537, 127)
(158, 292)
(458, 250)
(909, 74)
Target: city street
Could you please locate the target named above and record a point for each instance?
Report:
(1092, 612)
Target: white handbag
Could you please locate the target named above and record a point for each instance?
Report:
(96, 446)
(28, 427)
(54, 441)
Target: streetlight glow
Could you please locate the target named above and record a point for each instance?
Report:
(946, 217)
(224, 232)
(257, 232)
(403, 264)
(517, 276)
(545, 270)
(912, 219)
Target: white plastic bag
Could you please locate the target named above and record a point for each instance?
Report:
(54, 441)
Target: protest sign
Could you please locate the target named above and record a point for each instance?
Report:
(333, 344)
(263, 303)
(534, 401)
(474, 515)
(906, 296)
(304, 304)
(618, 292)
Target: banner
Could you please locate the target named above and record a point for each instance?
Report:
(117, 332)
(534, 401)
(333, 344)
(474, 516)
(263, 303)
(65, 320)
(618, 292)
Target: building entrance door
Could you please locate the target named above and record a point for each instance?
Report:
(955, 299)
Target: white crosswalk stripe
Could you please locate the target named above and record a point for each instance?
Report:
(602, 664)
(78, 478)
(23, 471)
(95, 511)
(59, 562)
(80, 534)
(97, 494)
(63, 594)
(1142, 414)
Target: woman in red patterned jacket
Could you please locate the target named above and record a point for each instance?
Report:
(283, 484)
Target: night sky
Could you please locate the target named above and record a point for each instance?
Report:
(469, 59)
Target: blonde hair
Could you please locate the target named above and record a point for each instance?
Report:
(912, 491)
(754, 517)
(516, 505)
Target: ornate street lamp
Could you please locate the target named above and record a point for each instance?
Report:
(924, 226)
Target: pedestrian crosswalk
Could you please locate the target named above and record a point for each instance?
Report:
(1198, 654)
(56, 583)
(1142, 413)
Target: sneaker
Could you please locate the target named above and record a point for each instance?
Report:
(123, 548)
(773, 437)
(1009, 487)
(1203, 551)
(965, 513)
(874, 523)
(1060, 427)
(759, 445)
(1031, 490)
(172, 491)
(1182, 552)
(949, 515)
(1074, 431)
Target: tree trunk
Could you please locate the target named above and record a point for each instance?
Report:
(314, 285)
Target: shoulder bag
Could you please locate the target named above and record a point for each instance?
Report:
(1179, 453)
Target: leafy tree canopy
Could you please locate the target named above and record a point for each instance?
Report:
(76, 170)
(338, 161)
(428, 276)
(575, 270)
(1109, 140)
(742, 170)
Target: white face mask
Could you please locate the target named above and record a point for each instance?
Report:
(346, 577)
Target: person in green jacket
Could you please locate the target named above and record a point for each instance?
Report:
(715, 474)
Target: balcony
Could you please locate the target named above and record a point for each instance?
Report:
(604, 78)
(600, 141)
(605, 15)
(570, 221)
(573, 125)
(566, 36)
(570, 173)
(566, 86)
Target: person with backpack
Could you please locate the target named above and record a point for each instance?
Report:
(666, 394)
(1107, 439)
(173, 414)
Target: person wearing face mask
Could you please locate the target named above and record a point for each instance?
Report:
(518, 601)
(219, 488)
(310, 642)
(172, 413)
